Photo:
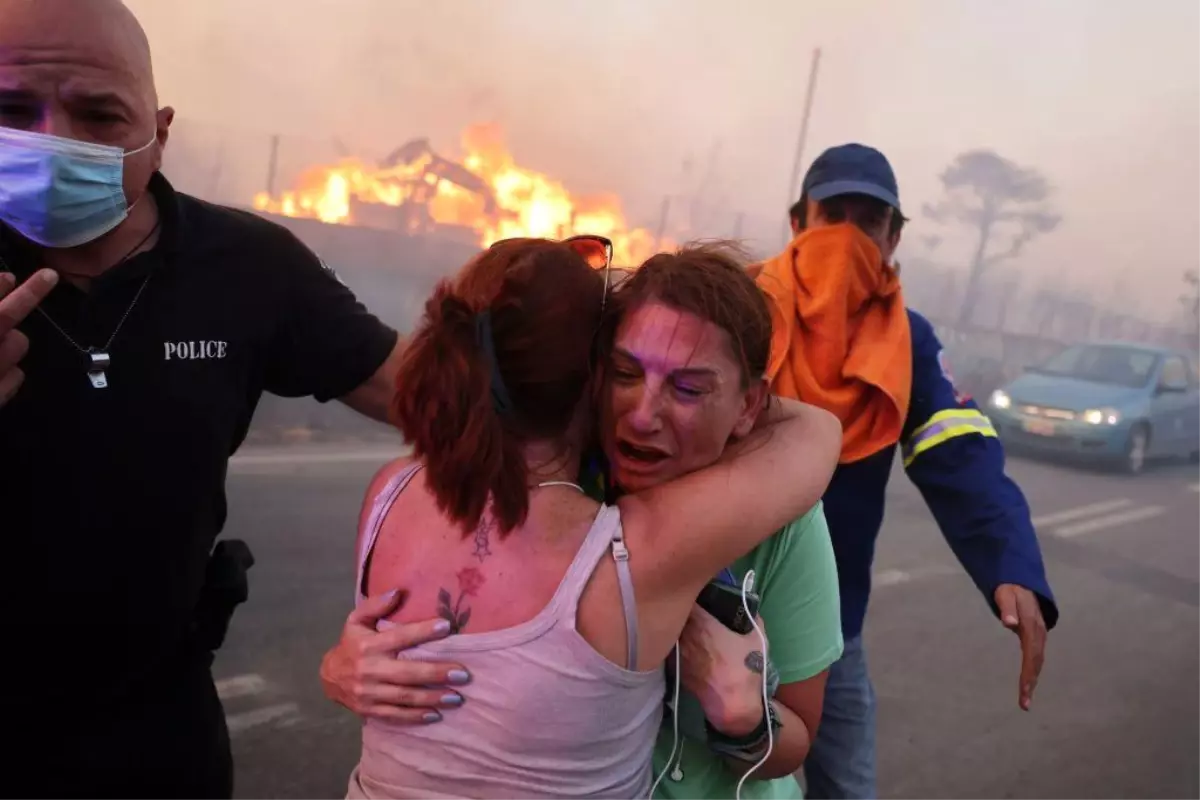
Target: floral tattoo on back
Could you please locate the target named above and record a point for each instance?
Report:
(469, 581)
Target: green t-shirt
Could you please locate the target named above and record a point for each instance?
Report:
(796, 577)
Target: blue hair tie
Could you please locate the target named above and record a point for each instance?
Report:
(501, 401)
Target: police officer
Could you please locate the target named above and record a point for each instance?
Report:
(948, 447)
(136, 337)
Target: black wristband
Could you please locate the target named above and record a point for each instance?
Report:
(744, 748)
(747, 740)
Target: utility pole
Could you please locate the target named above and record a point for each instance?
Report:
(273, 165)
(803, 137)
(662, 223)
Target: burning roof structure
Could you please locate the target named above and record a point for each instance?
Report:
(487, 195)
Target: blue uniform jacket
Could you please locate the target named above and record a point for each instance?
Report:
(952, 455)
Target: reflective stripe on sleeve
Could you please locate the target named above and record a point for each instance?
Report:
(945, 425)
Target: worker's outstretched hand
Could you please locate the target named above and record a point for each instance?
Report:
(1021, 613)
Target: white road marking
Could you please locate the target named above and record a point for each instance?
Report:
(1090, 510)
(883, 578)
(240, 686)
(282, 713)
(890, 577)
(1109, 521)
(289, 459)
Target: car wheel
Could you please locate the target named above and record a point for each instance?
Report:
(1136, 446)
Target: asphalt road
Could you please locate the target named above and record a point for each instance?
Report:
(1116, 714)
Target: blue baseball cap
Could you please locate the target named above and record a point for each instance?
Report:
(852, 169)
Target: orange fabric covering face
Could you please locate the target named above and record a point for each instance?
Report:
(841, 339)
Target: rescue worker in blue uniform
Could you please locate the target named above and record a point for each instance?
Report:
(845, 341)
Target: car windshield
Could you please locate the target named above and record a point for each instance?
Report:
(1120, 366)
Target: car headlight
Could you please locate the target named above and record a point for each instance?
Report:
(1000, 399)
(1102, 416)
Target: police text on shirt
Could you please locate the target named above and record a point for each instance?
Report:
(190, 351)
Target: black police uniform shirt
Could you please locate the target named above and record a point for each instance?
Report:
(111, 498)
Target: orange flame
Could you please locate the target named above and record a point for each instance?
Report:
(525, 202)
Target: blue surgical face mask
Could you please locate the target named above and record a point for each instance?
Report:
(61, 192)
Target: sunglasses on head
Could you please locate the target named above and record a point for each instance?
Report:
(597, 251)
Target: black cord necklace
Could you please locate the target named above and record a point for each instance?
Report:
(141, 243)
(98, 359)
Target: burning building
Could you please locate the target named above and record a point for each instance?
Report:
(392, 228)
(484, 198)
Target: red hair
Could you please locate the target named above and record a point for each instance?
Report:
(543, 308)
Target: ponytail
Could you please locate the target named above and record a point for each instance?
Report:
(451, 405)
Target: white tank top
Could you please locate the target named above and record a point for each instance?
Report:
(545, 714)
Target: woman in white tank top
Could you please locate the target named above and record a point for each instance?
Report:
(563, 609)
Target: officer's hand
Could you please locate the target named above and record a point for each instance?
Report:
(1020, 612)
(16, 304)
(363, 674)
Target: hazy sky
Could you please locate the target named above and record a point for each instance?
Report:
(1103, 98)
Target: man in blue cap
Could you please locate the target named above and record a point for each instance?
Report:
(852, 172)
(848, 343)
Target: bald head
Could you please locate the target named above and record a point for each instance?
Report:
(95, 36)
(80, 69)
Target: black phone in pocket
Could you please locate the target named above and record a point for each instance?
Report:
(725, 603)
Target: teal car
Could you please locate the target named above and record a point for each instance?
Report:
(1105, 401)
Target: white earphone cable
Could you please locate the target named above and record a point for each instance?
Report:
(675, 741)
(747, 587)
(671, 766)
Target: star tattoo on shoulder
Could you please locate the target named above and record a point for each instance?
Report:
(482, 537)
